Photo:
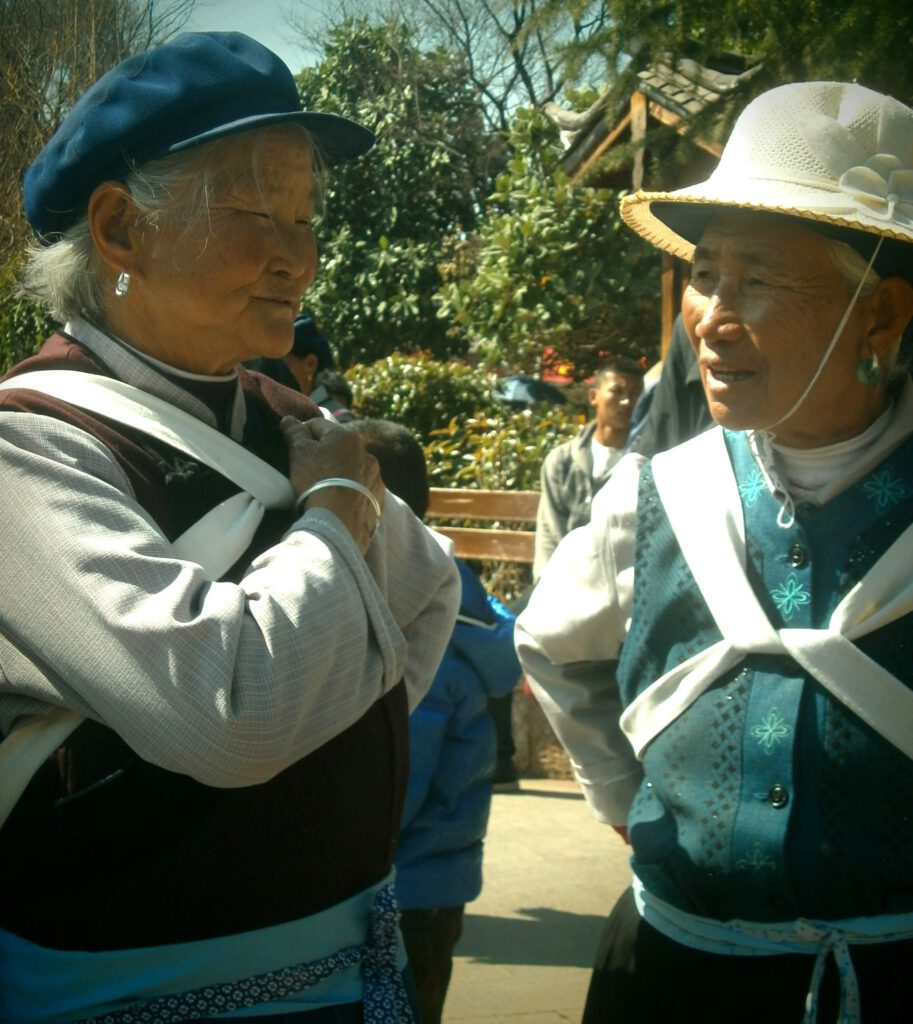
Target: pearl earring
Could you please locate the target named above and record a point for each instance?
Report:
(123, 284)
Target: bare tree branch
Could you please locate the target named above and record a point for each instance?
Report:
(514, 51)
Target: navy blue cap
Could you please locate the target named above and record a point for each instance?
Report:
(197, 87)
(309, 340)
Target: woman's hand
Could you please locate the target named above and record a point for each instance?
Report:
(318, 449)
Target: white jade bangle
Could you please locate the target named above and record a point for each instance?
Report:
(338, 481)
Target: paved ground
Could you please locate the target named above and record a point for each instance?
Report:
(552, 872)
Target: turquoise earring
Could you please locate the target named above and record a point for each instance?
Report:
(869, 371)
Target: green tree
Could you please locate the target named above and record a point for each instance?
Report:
(390, 216)
(795, 40)
(552, 266)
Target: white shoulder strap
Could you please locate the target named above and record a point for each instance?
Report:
(219, 539)
(166, 422)
(705, 512)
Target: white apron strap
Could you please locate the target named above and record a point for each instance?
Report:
(705, 512)
(154, 416)
(220, 537)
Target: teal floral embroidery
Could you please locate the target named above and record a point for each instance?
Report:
(790, 596)
(756, 861)
(885, 488)
(752, 488)
(772, 730)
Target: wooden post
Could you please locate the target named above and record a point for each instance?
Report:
(638, 136)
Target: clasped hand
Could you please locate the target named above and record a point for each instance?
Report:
(318, 449)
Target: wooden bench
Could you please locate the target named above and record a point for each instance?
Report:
(494, 542)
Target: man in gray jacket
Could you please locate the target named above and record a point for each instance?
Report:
(574, 471)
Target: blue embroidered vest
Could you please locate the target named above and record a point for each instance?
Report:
(768, 799)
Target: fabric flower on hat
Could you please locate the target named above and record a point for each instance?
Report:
(882, 187)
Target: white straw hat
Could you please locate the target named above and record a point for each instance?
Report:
(830, 152)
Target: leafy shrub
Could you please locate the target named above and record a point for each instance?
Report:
(470, 438)
(501, 452)
(420, 392)
(552, 265)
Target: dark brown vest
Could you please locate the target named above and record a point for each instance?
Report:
(107, 851)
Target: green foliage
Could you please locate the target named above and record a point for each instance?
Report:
(770, 43)
(23, 326)
(804, 40)
(470, 438)
(389, 215)
(502, 451)
(795, 40)
(421, 392)
(553, 266)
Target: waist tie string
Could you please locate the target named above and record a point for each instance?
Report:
(831, 942)
(384, 993)
(817, 938)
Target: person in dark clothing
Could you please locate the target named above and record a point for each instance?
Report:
(308, 367)
(677, 406)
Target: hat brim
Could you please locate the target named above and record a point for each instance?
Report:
(675, 221)
(338, 138)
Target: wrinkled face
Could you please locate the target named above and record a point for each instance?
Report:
(614, 398)
(761, 307)
(228, 288)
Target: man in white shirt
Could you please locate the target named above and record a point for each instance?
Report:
(574, 471)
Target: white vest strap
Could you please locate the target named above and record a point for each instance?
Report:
(705, 513)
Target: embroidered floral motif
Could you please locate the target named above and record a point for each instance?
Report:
(790, 596)
(885, 488)
(752, 488)
(756, 861)
(772, 730)
(882, 188)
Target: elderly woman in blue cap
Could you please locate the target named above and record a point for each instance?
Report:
(213, 618)
(725, 651)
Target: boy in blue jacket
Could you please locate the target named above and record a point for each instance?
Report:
(452, 749)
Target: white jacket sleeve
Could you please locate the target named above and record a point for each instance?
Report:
(569, 638)
(229, 683)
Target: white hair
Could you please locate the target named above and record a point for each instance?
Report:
(852, 266)
(66, 277)
(855, 268)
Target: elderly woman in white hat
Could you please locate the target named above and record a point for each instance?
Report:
(725, 651)
(213, 617)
